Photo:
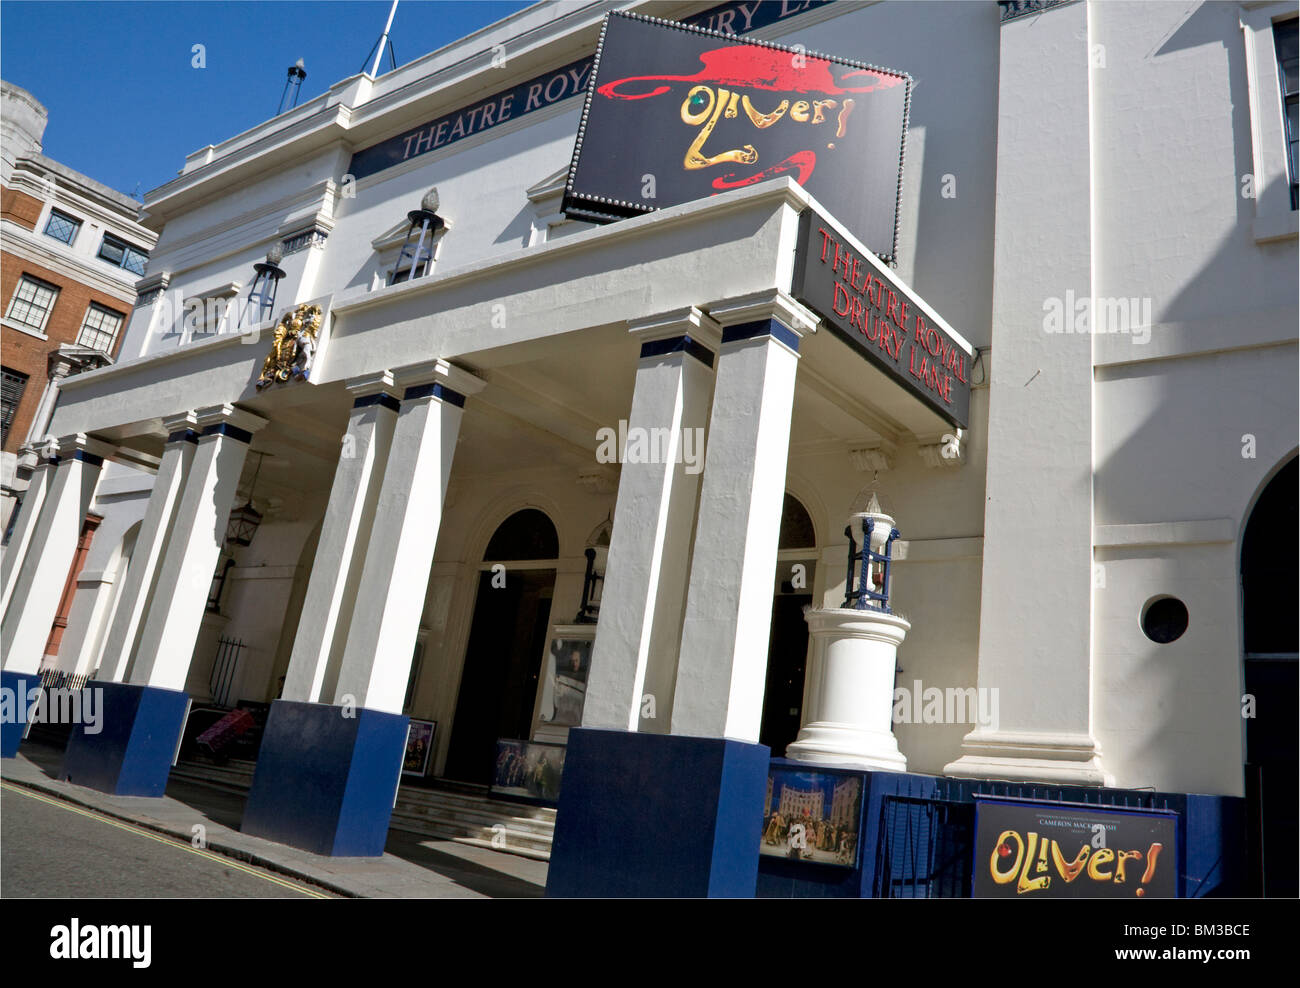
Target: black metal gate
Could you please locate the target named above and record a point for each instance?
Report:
(925, 848)
(224, 667)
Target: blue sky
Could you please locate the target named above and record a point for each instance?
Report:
(125, 103)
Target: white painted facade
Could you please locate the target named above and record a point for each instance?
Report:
(1094, 149)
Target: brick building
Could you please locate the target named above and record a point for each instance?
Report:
(70, 254)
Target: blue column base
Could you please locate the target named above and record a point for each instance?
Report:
(13, 725)
(653, 815)
(325, 782)
(133, 743)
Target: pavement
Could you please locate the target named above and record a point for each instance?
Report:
(413, 866)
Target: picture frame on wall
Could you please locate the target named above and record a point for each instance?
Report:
(812, 816)
(419, 747)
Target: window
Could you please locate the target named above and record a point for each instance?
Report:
(32, 302)
(122, 254)
(12, 385)
(100, 328)
(1284, 42)
(62, 227)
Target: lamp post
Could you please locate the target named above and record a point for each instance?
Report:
(850, 684)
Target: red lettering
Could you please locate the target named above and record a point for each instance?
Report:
(835, 303)
(826, 241)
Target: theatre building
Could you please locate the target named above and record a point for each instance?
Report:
(818, 448)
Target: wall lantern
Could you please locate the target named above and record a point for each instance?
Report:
(244, 520)
(593, 581)
(261, 296)
(418, 245)
(866, 584)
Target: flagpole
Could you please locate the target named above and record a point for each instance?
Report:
(379, 52)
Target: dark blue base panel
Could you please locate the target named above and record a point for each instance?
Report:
(325, 782)
(652, 815)
(131, 752)
(16, 702)
(917, 834)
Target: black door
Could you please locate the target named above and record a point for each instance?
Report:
(787, 653)
(502, 663)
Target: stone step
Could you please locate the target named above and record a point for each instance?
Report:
(461, 813)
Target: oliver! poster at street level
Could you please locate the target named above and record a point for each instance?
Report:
(1033, 850)
(675, 113)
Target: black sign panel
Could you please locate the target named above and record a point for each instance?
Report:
(1030, 850)
(677, 113)
(863, 303)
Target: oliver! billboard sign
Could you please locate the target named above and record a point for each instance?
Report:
(1036, 850)
(677, 113)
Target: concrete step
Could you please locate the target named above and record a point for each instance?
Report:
(462, 813)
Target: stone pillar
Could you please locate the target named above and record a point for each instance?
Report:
(616, 834)
(640, 622)
(1035, 630)
(53, 544)
(138, 584)
(142, 718)
(51, 529)
(722, 670)
(354, 746)
(198, 531)
(21, 540)
(395, 574)
(345, 534)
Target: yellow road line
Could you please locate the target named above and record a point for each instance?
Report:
(169, 841)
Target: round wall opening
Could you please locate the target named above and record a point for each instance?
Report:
(1164, 619)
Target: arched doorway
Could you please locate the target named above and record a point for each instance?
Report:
(787, 650)
(1269, 588)
(507, 638)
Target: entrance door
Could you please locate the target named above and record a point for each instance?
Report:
(1269, 589)
(502, 665)
(786, 656)
(787, 649)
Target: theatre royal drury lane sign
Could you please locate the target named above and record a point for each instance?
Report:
(550, 88)
(860, 301)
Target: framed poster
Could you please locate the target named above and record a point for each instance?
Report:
(677, 113)
(1036, 850)
(419, 746)
(812, 816)
(528, 770)
(568, 666)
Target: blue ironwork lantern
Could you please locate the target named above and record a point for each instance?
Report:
(866, 584)
(260, 303)
(417, 248)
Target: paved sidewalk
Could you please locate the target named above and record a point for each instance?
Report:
(413, 866)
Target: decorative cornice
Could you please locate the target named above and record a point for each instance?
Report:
(1009, 10)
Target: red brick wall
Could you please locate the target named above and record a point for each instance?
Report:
(27, 354)
(19, 207)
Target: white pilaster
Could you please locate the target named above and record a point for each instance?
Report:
(79, 647)
(1035, 631)
(16, 551)
(649, 552)
(198, 529)
(345, 534)
(142, 572)
(44, 572)
(395, 575)
(721, 671)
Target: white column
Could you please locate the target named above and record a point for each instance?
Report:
(16, 551)
(142, 571)
(643, 597)
(1035, 631)
(44, 573)
(345, 534)
(198, 530)
(395, 575)
(722, 668)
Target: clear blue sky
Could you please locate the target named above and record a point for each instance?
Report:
(125, 103)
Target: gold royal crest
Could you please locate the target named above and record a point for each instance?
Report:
(293, 346)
